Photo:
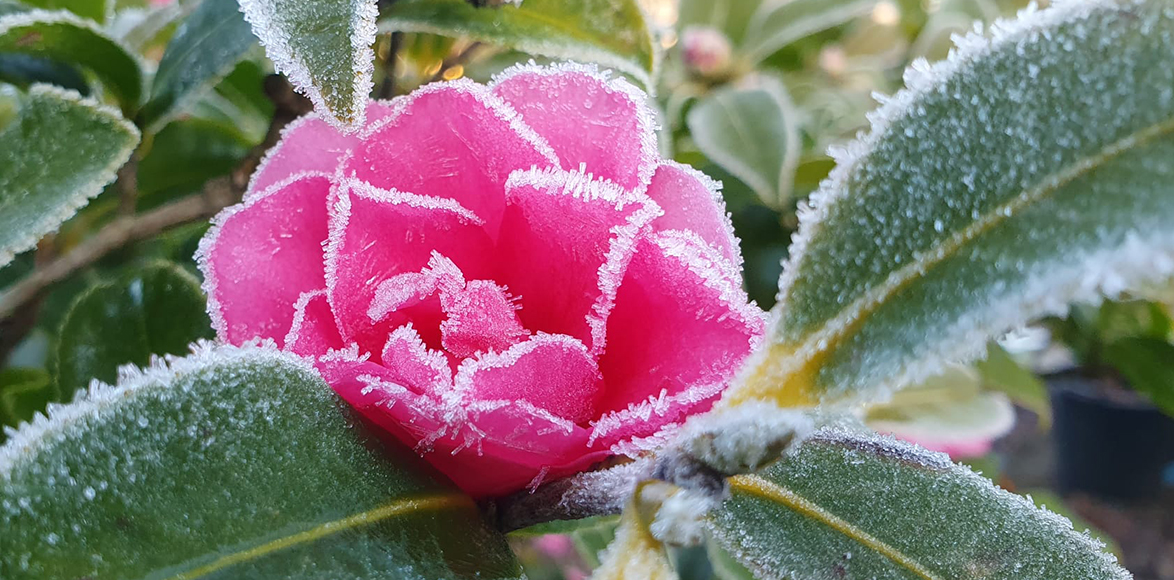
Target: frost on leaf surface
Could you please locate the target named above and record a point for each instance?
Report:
(60, 151)
(174, 472)
(324, 47)
(851, 505)
(1029, 169)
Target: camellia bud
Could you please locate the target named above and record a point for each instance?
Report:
(707, 52)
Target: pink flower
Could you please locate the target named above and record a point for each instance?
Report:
(508, 278)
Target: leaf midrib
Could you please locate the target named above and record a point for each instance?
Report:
(400, 506)
(770, 491)
(836, 329)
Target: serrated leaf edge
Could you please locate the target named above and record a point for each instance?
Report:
(363, 26)
(904, 451)
(49, 221)
(23, 442)
(1136, 260)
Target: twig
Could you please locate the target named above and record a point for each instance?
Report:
(387, 87)
(113, 236)
(460, 58)
(128, 185)
(14, 328)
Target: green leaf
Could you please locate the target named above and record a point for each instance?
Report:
(860, 506)
(752, 133)
(612, 33)
(95, 10)
(156, 310)
(63, 36)
(778, 23)
(1148, 366)
(994, 189)
(60, 152)
(324, 47)
(231, 463)
(24, 70)
(23, 393)
(1000, 372)
(184, 155)
(206, 47)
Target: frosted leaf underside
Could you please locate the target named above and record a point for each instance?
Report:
(861, 506)
(1022, 173)
(324, 47)
(231, 463)
(59, 152)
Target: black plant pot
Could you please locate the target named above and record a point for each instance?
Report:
(1117, 446)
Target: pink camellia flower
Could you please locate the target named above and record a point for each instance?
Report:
(507, 278)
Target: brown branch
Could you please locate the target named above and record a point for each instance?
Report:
(113, 236)
(128, 185)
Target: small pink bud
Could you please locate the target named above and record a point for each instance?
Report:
(707, 52)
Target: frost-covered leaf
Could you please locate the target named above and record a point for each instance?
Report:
(95, 10)
(1000, 372)
(23, 393)
(156, 310)
(612, 33)
(206, 47)
(1148, 366)
(778, 23)
(751, 132)
(62, 36)
(860, 506)
(231, 463)
(1022, 173)
(324, 47)
(59, 152)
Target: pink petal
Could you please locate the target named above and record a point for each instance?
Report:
(308, 144)
(408, 362)
(693, 202)
(678, 333)
(313, 331)
(377, 234)
(564, 244)
(450, 140)
(488, 452)
(261, 256)
(481, 317)
(591, 121)
(550, 371)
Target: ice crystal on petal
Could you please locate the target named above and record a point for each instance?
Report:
(487, 278)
